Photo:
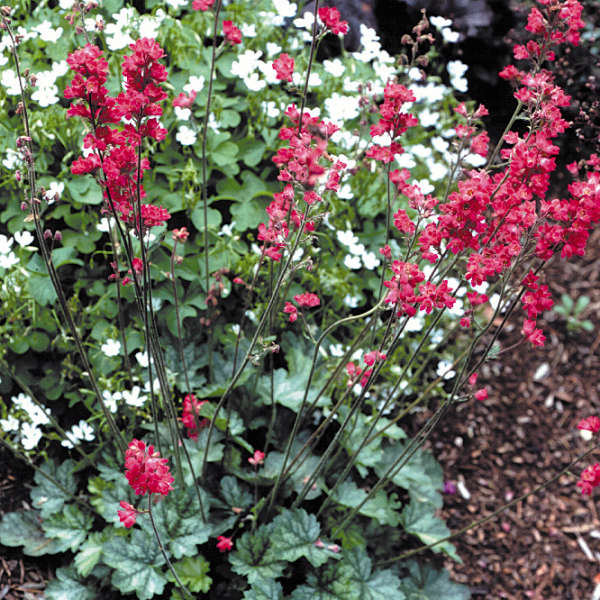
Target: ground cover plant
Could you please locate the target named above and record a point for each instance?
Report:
(248, 268)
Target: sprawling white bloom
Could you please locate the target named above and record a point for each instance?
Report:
(8, 260)
(196, 84)
(270, 109)
(142, 358)
(56, 187)
(370, 260)
(182, 114)
(12, 159)
(456, 70)
(420, 151)
(111, 400)
(133, 398)
(351, 302)
(313, 81)
(82, 432)
(345, 192)
(66, 4)
(45, 95)
(36, 415)
(111, 347)
(427, 117)
(334, 67)
(24, 238)
(347, 237)
(9, 424)
(352, 262)
(11, 82)
(336, 350)
(429, 92)
(444, 369)
(285, 8)
(186, 136)
(30, 436)
(149, 25)
(439, 144)
(5, 244)
(341, 108)
(436, 170)
(405, 161)
(246, 63)
(272, 49)
(356, 249)
(47, 32)
(176, 3)
(425, 186)
(248, 30)
(105, 224)
(369, 41)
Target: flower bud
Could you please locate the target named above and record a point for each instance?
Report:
(24, 206)
(18, 175)
(58, 236)
(47, 234)
(5, 10)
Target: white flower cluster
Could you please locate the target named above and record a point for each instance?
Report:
(28, 431)
(357, 252)
(443, 26)
(127, 21)
(82, 432)
(7, 257)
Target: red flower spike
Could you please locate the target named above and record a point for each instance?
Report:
(128, 515)
(224, 544)
(307, 300)
(590, 424)
(284, 67)
(232, 34)
(146, 471)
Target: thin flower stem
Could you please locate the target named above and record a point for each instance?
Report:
(164, 552)
(485, 520)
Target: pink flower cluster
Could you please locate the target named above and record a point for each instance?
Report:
(356, 373)
(305, 300)
(190, 416)
(590, 476)
(146, 471)
(303, 165)
(284, 67)
(330, 16)
(114, 157)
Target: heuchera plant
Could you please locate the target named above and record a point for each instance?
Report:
(336, 483)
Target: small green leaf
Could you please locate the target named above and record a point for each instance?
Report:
(253, 559)
(47, 496)
(233, 494)
(294, 535)
(41, 289)
(426, 583)
(25, 529)
(137, 562)
(68, 586)
(264, 590)
(90, 551)
(193, 573)
(69, 527)
(418, 518)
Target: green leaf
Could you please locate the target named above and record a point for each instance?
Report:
(197, 216)
(379, 506)
(356, 569)
(252, 151)
(288, 390)
(264, 590)
(25, 529)
(193, 573)
(84, 190)
(418, 518)
(224, 154)
(69, 527)
(41, 289)
(90, 551)
(426, 583)
(294, 535)
(106, 495)
(68, 586)
(233, 494)
(255, 558)
(137, 562)
(48, 497)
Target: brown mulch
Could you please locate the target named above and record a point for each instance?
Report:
(546, 547)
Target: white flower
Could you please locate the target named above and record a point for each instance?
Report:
(23, 238)
(142, 358)
(253, 83)
(340, 108)
(111, 347)
(456, 70)
(270, 109)
(186, 136)
(357, 249)
(60, 68)
(176, 3)
(475, 160)
(30, 436)
(8, 260)
(10, 424)
(370, 260)
(440, 22)
(352, 262)
(345, 192)
(81, 432)
(45, 95)
(248, 30)
(351, 302)
(420, 151)
(11, 82)
(105, 224)
(196, 84)
(182, 114)
(111, 400)
(439, 144)
(5, 244)
(436, 170)
(336, 350)
(444, 369)
(347, 237)
(56, 187)
(334, 67)
(148, 26)
(425, 186)
(12, 159)
(133, 398)
(47, 32)
(273, 49)
(416, 323)
(305, 21)
(405, 160)
(449, 35)
(429, 93)
(155, 386)
(285, 8)
(415, 74)
(66, 4)
(427, 118)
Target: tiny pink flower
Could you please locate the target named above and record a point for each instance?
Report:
(128, 515)
(224, 544)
